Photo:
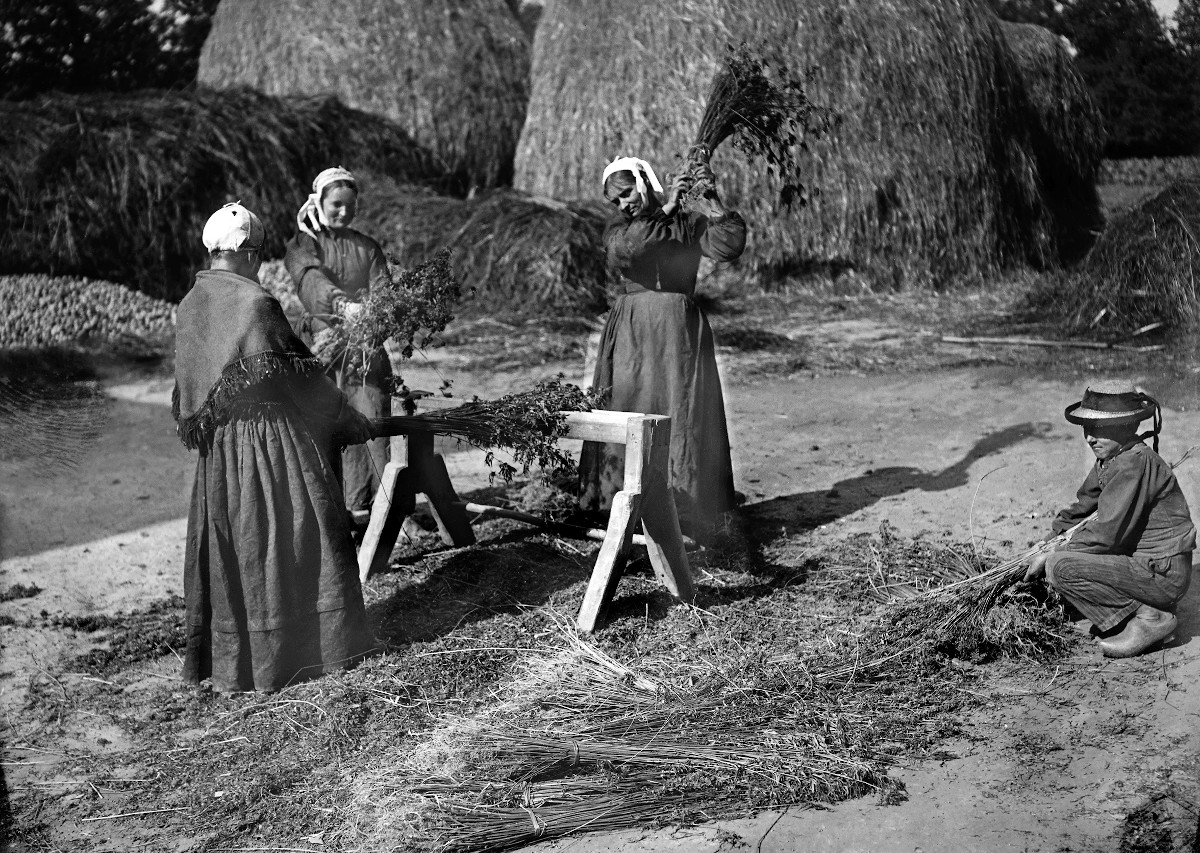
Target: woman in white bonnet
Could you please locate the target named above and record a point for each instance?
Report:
(333, 267)
(656, 351)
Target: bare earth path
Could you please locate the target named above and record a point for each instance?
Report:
(982, 453)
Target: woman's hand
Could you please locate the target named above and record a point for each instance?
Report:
(680, 184)
(356, 428)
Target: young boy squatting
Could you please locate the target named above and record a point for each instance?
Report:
(1129, 566)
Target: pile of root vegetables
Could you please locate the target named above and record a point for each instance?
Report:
(38, 311)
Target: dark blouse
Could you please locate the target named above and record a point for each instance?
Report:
(662, 253)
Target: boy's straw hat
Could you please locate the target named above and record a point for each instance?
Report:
(1111, 403)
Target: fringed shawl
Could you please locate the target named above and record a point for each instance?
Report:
(230, 336)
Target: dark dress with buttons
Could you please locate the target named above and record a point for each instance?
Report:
(657, 356)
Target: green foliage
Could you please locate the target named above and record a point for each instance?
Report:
(100, 45)
(1136, 75)
(1187, 29)
(1146, 84)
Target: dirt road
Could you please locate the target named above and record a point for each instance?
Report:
(981, 454)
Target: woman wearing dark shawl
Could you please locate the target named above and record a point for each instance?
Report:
(656, 351)
(270, 575)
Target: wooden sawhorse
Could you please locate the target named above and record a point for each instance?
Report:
(645, 500)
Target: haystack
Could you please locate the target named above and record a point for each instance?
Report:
(119, 187)
(1144, 269)
(521, 253)
(1066, 135)
(453, 73)
(927, 174)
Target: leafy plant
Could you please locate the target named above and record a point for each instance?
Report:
(767, 111)
(412, 310)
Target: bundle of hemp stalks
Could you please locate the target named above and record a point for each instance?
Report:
(581, 742)
(528, 424)
(963, 612)
(767, 111)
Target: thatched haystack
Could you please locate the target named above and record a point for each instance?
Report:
(119, 187)
(1066, 135)
(1144, 269)
(453, 73)
(926, 173)
(521, 253)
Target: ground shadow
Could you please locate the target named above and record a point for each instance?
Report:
(809, 510)
(1188, 614)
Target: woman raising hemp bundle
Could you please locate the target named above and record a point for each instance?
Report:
(656, 351)
(334, 266)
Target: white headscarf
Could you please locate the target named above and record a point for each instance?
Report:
(638, 167)
(311, 212)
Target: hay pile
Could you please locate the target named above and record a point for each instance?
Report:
(1144, 270)
(1066, 136)
(520, 253)
(928, 173)
(453, 73)
(119, 186)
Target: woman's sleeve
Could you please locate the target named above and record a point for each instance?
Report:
(323, 406)
(379, 275)
(724, 239)
(304, 262)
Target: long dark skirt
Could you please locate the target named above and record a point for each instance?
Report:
(363, 464)
(270, 575)
(658, 357)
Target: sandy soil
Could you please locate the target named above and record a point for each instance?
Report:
(1057, 764)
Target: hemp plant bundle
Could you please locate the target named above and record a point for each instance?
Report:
(528, 424)
(766, 110)
(411, 310)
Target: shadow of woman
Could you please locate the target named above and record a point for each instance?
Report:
(809, 510)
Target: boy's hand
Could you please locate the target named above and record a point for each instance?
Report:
(1037, 566)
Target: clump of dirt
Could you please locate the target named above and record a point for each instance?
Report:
(20, 590)
(129, 638)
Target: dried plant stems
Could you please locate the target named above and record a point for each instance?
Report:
(119, 186)
(454, 75)
(528, 424)
(769, 115)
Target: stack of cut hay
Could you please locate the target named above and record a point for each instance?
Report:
(454, 74)
(38, 311)
(119, 186)
(1066, 134)
(1144, 270)
(520, 253)
(929, 174)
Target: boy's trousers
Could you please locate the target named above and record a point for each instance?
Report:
(1107, 588)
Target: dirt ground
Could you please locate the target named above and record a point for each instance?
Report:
(1100, 756)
